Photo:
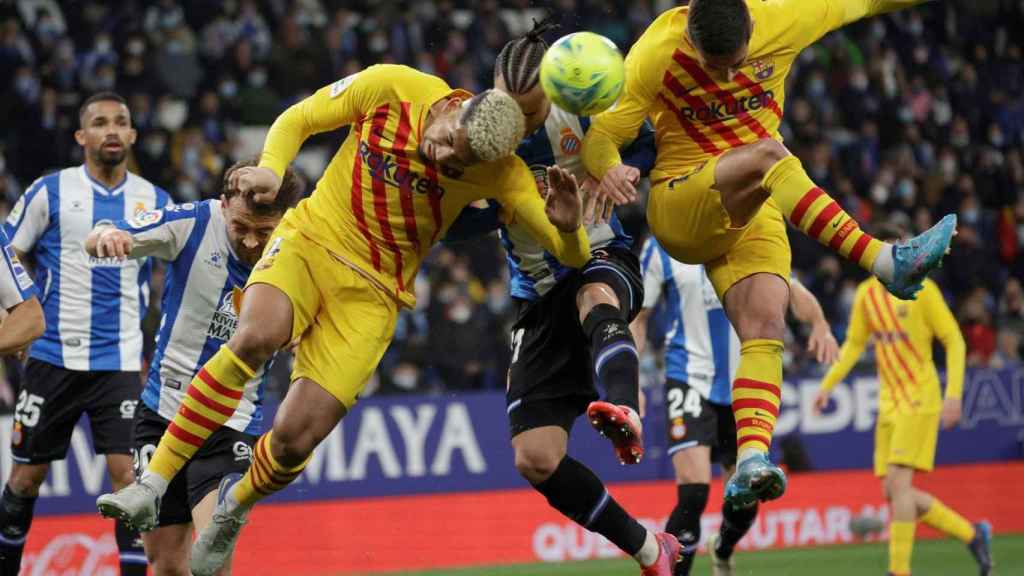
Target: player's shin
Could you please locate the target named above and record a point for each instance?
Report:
(756, 395)
(616, 364)
(15, 520)
(901, 547)
(736, 522)
(684, 522)
(816, 214)
(212, 398)
(948, 521)
(265, 476)
(575, 491)
(131, 553)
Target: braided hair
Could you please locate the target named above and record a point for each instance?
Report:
(518, 62)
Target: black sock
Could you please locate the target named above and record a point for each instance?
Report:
(684, 522)
(133, 555)
(15, 520)
(577, 493)
(613, 354)
(735, 524)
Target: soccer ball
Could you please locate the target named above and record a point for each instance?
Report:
(582, 73)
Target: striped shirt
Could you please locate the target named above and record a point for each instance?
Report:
(701, 347)
(198, 315)
(15, 285)
(93, 306)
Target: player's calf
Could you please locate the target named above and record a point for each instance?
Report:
(684, 522)
(16, 513)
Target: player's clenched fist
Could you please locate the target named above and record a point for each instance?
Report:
(261, 183)
(114, 243)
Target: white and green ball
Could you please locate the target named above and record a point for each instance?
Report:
(582, 73)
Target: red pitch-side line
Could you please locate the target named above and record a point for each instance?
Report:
(357, 200)
(720, 127)
(694, 70)
(696, 135)
(405, 192)
(756, 90)
(800, 210)
(380, 194)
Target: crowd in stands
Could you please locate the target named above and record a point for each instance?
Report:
(902, 118)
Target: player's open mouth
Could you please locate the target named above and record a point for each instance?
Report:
(113, 146)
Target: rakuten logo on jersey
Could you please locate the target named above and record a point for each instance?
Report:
(74, 554)
(717, 110)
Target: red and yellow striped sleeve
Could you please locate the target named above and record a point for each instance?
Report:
(857, 336)
(331, 107)
(944, 325)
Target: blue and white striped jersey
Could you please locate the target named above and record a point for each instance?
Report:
(701, 347)
(533, 271)
(15, 285)
(93, 307)
(197, 315)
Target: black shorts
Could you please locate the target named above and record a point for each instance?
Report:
(550, 378)
(692, 420)
(52, 401)
(226, 451)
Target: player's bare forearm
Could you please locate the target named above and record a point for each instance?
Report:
(24, 324)
(805, 305)
(92, 240)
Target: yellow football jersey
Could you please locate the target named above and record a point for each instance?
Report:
(903, 331)
(379, 204)
(698, 114)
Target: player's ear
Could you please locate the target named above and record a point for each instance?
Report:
(80, 137)
(132, 136)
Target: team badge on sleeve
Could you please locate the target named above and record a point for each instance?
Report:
(146, 218)
(338, 87)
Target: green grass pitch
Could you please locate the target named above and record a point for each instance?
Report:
(931, 558)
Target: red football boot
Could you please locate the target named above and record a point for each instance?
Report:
(669, 550)
(622, 426)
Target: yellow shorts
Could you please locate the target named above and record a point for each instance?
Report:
(907, 440)
(344, 322)
(687, 217)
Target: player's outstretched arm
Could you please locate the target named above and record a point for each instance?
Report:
(946, 329)
(856, 341)
(555, 222)
(807, 310)
(158, 233)
(23, 324)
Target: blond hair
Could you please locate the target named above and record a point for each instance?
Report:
(494, 125)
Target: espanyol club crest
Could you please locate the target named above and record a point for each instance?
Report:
(569, 142)
(763, 68)
(678, 430)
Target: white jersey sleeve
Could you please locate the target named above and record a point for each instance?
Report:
(160, 233)
(15, 285)
(653, 272)
(29, 218)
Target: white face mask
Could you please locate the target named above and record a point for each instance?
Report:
(460, 313)
(172, 114)
(405, 378)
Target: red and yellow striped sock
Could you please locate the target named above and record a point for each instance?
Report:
(946, 520)
(901, 547)
(756, 393)
(212, 398)
(815, 213)
(265, 476)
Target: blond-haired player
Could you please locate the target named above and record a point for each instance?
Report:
(712, 76)
(910, 407)
(343, 262)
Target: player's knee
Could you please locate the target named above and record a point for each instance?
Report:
(768, 153)
(254, 344)
(26, 480)
(537, 465)
(166, 564)
(291, 445)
